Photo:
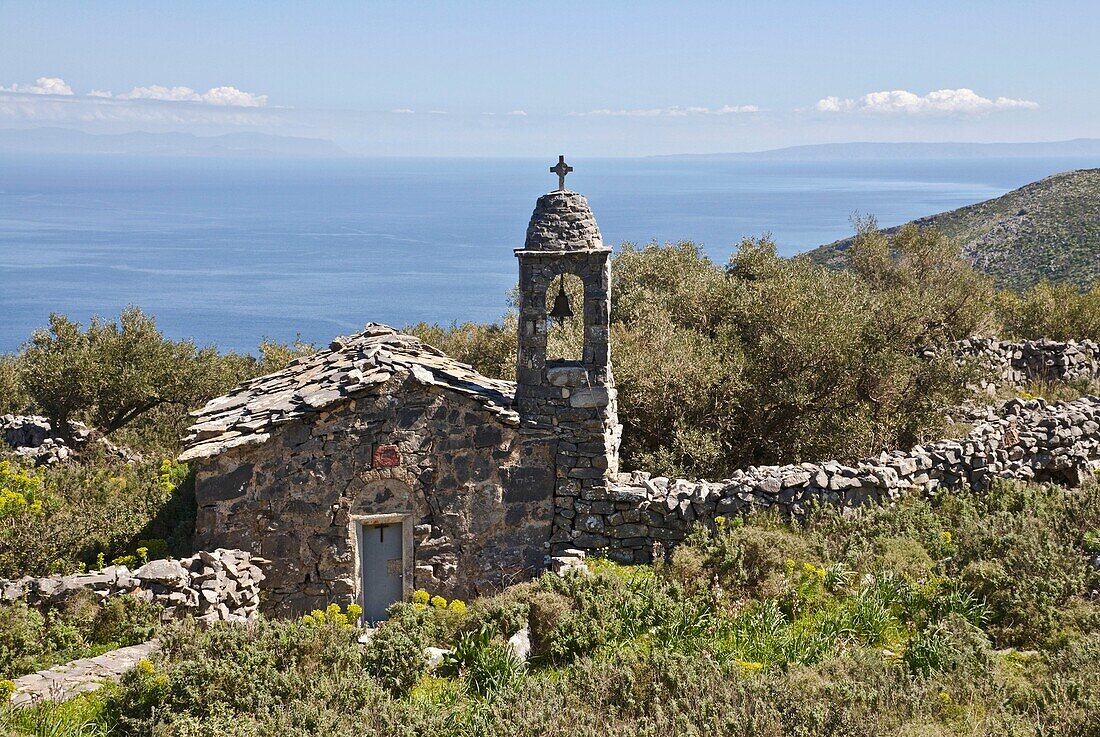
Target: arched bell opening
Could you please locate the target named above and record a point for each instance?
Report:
(565, 319)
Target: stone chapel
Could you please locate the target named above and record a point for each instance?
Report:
(380, 465)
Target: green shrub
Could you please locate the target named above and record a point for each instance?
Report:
(905, 557)
(749, 561)
(1057, 311)
(547, 611)
(486, 664)
(125, 620)
(506, 612)
(950, 644)
(31, 640)
(21, 639)
(1017, 549)
(100, 507)
(253, 671)
(395, 654)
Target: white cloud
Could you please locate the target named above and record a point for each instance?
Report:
(518, 112)
(939, 102)
(673, 112)
(438, 112)
(403, 111)
(41, 86)
(221, 96)
(74, 109)
(224, 96)
(728, 109)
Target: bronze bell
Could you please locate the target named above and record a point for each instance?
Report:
(561, 311)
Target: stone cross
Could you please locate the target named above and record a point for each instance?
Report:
(561, 169)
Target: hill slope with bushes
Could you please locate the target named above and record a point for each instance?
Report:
(1047, 230)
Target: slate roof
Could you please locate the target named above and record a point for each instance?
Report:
(350, 366)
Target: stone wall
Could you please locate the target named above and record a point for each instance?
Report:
(36, 438)
(477, 491)
(639, 515)
(210, 586)
(1018, 364)
(572, 403)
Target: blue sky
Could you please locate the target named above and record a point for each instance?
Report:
(591, 78)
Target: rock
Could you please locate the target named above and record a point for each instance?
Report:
(169, 572)
(434, 657)
(562, 565)
(519, 644)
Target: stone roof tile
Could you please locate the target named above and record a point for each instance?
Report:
(562, 221)
(349, 366)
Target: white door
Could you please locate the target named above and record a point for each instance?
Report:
(382, 565)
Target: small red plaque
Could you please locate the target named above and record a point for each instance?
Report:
(386, 456)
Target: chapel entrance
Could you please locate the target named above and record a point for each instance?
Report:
(382, 565)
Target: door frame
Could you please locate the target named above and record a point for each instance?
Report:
(357, 523)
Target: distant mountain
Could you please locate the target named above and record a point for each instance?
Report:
(68, 141)
(1048, 229)
(1081, 147)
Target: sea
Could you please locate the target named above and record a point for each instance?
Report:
(227, 252)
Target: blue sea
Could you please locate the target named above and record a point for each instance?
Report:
(227, 252)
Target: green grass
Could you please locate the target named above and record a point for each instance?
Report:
(83, 716)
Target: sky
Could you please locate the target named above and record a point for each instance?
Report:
(590, 78)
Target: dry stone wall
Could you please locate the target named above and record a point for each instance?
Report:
(640, 515)
(36, 438)
(209, 586)
(1018, 364)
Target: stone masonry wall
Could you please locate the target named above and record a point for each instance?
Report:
(479, 492)
(1017, 364)
(209, 586)
(640, 515)
(574, 403)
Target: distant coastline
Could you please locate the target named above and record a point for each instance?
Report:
(867, 150)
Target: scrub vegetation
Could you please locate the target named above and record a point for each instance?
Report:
(970, 614)
(973, 613)
(1047, 230)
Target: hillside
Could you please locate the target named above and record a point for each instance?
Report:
(1049, 229)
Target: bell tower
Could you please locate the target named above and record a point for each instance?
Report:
(573, 401)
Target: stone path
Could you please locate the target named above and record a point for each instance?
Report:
(79, 676)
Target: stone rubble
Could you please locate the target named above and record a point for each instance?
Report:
(640, 515)
(209, 586)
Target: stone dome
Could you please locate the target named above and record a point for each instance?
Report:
(562, 221)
